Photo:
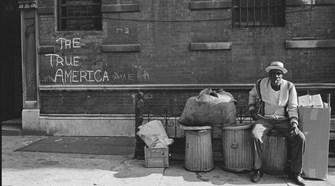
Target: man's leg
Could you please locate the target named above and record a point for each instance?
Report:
(260, 129)
(297, 149)
(297, 145)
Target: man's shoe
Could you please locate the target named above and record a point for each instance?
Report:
(257, 176)
(297, 179)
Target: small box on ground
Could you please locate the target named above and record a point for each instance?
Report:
(156, 157)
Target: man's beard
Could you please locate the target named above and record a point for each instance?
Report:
(278, 81)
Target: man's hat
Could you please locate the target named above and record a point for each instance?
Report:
(276, 65)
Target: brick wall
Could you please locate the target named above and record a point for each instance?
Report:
(164, 30)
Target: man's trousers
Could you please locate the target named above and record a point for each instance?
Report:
(297, 142)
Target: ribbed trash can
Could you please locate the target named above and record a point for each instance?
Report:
(237, 148)
(274, 160)
(198, 149)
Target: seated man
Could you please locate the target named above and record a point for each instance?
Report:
(278, 110)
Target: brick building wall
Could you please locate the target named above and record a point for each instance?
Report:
(165, 31)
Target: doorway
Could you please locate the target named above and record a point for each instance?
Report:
(11, 67)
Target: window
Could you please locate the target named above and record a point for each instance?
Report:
(79, 15)
(258, 13)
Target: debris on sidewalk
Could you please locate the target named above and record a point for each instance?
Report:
(153, 134)
(57, 140)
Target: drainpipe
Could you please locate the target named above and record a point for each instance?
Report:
(139, 106)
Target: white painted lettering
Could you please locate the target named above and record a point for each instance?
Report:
(75, 76)
(59, 60)
(131, 77)
(97, 77)
(90, 77)
(105, 78)
(67, 44)
(123, 77)
(68, 62)
(83, 75)
(68, 76)
(146, 75)
(61, 42)
(76, 42)
(51, 58)
(59, 74)
(76, 61)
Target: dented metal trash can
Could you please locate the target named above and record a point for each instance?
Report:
(198, 148)
(237, 147)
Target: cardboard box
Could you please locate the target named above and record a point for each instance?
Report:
(315, 124)
(156, 157)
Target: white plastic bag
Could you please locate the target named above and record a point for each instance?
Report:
(153, 134)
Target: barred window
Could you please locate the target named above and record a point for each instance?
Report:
(258, 13)
(79, 15)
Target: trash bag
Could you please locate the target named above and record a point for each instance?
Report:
(153, 134)
(209, 108)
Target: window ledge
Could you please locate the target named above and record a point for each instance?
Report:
(200, 5)
(45, 11)
(291, 44)
(210, 46)
(115, 8)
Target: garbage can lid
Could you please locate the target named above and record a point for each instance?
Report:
(238, 127)
(195, 127)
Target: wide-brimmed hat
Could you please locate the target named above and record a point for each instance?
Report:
(276, 65)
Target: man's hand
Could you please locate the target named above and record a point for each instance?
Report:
(253, 114)
(294, 129)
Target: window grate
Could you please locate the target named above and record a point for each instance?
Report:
(79, 15)
(259, 13)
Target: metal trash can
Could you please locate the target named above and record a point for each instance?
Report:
(274, 159)
(237, 148)
(198, 148)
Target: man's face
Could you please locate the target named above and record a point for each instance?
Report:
(276, 76)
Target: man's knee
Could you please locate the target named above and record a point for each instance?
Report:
(255, 134)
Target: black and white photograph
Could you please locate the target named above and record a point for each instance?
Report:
(168, 92)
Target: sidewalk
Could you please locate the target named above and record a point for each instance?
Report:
(49, 169)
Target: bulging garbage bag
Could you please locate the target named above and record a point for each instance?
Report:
(209, 108)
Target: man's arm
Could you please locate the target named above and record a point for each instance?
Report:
(292, 106)
(253, 96)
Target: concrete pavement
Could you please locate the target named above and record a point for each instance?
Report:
(49, 169)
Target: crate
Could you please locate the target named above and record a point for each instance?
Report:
(156, 157)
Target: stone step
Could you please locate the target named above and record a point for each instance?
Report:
(11, 131)
(11, 127)
(12, 122)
